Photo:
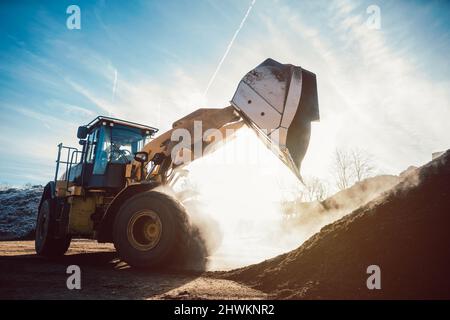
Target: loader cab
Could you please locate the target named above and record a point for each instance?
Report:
(108, 146)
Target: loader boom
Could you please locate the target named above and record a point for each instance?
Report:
(278, 101)
(162, 147)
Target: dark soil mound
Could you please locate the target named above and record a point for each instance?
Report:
(406, 232)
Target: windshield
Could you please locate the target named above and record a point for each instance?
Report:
(118, 144)
(125, 142)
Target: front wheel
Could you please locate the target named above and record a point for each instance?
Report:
(152, 230)
(45, 242)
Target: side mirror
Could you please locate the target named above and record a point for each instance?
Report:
(82, 132)
(141, 156)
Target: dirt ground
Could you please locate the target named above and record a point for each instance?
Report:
(23, 275)
(403, 232)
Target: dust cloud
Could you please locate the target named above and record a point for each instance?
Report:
(234, 199)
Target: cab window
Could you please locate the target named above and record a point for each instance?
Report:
(125, 142)
(117, 144)
(91, 146)
(103, 151)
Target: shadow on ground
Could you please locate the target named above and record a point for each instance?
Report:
(103, 276)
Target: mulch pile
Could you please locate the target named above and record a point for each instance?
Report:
(406, 232)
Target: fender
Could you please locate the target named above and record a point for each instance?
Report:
(48, 193)
(104, 233)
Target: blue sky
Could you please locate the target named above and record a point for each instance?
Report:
(386, 90)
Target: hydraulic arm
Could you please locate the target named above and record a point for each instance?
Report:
(278, 101)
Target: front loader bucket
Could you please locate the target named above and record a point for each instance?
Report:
(279, 101)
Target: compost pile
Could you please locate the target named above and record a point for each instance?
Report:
(18, 210)
(404, 231)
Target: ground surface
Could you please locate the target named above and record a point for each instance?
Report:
(404, 231)
(23, 275)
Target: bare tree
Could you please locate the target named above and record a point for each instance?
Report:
(315, 190)
(361, 164)
(342, 168)
(351, 166)
(295, 196)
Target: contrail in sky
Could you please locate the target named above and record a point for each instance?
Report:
(114, 84)
(229, 47)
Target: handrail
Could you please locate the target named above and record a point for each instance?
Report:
(74, 153)
(71, 152)
(58, 158)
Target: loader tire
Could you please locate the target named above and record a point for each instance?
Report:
(45, 242)
(150, 230)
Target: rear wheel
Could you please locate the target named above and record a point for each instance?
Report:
(151, 230)
(45, 242)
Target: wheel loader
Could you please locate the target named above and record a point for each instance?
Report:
(107, 190)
